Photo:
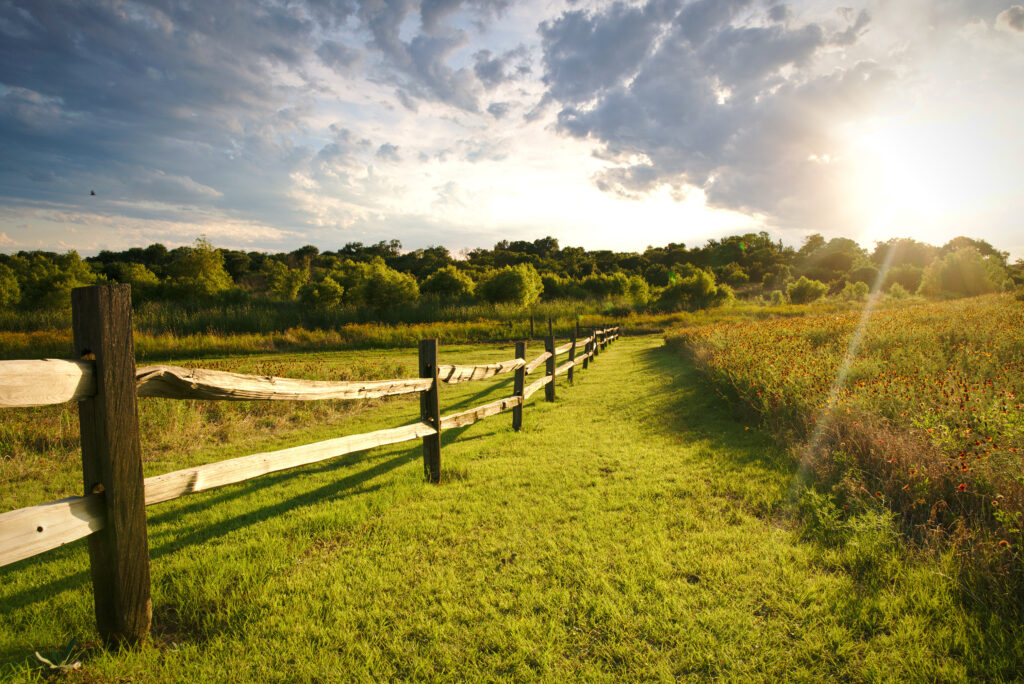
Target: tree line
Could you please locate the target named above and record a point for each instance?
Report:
(382, 275)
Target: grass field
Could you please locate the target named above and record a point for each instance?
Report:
(635, 529)
(920, 409)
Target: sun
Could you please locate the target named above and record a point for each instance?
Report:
(914, 177)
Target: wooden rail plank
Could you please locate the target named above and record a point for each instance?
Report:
(172, 382)
(532, 366)
(455, 374)
(535, 385)
(212, 475)
(41, 382)
(26, 532)
(564, 367)
(563, 349)
(472, 415)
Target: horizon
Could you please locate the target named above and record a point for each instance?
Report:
(615, 125)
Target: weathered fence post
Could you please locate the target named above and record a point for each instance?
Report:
(549, 347)
(586, 348)
(572, 357)
(101, 321)
(430, 411)
(517, 388)
(597, 343)
(550, 329)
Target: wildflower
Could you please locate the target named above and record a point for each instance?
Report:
(1003, 544)
(962, 487)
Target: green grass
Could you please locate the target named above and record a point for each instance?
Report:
(633, 530)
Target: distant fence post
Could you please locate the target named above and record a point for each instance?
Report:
(549, 347)
(586, 350)
(572, 357)
(101, 321)
(517, 388)
(531, 326)
(430, 411)
(597, 343)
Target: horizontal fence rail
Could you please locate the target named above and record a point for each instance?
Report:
(122, 591)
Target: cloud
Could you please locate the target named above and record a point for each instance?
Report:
(691, 98)
(1012, 18)
(498, 109)
(338, 56)
(494, 70)
(388, 152)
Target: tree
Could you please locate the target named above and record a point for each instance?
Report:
(963, 273)
(10, 291)
(283, 282)
(198, 271)
(448, 283)
(695, 288)
(519, 285)
(805, 290)
(324, 294)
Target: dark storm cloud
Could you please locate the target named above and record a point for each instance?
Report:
(493, 70)
(498, 109)
(693, 97)
(1012, 17)
(388, 152)
(201, 103)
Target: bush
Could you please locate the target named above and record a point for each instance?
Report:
(778, 298)
(908, 276)
(603, 286)
(10, 291)
(855, 292)
(283, 282)
(657, 275)
(638, 291)
(963, 273)
(449, 284)
(805, 290)
(897, 291)
(695, 290)
(198, 271)
(325, 294)
(519, 285)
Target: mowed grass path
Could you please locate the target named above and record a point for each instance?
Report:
(633, 530)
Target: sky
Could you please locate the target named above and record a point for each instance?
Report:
(608, 125)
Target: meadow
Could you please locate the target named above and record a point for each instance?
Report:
(635, 529)
(918, 409)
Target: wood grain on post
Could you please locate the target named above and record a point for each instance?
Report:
(572, 357)
(430, 411)
(549, 346)
(101, 320)
(517, 387)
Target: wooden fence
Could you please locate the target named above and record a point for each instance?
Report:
(104, 381)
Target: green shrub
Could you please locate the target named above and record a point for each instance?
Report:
(963, 273)
(325, 294)
(696, 289)
(603, 286)
(198, 271)
(854, 292)
(449, 284)
(638, 291)
(519, 285)
(10, 291)
(805, 290)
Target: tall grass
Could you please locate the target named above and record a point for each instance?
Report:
(925, 417)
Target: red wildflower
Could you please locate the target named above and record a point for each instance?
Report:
(961, 487)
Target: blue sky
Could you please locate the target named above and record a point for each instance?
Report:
(270, 125)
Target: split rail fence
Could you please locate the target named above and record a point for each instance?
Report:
(105, 383)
